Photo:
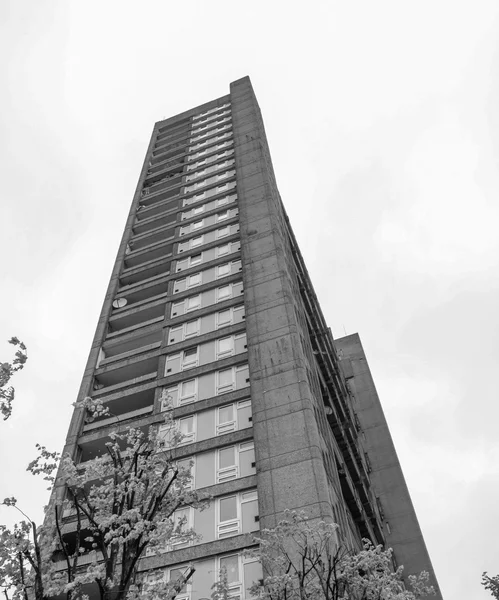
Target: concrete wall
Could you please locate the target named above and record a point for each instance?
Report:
(290, 469)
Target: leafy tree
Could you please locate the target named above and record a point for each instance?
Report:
(303, 561)
(491, 584)
(104, 515)
(7, 370)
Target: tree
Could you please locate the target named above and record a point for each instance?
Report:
(491, 584)
(106, 513)
(7, 370)
(303, 561)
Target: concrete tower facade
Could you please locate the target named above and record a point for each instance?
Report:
(210, 303)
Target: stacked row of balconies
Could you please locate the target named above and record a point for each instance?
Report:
(187, 205)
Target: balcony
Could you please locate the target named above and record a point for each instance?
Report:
(120, 347)
(157, 172)
(92, 447)
(132, 317)
(127, 370)
(147, 213)
(173, 134)
(165, 192)
(160, 233)
(146, 272)
(161, 249)
(138, 398)
(145, 291)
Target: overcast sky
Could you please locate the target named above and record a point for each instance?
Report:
(383, 123)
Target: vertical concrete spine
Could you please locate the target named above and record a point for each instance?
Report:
(404, 534)
(287, 441)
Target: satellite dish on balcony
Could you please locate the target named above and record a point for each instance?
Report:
(120, 302)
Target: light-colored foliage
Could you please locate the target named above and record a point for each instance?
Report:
(491, 584)
(303, 562)
(7, 370)
(109, 510)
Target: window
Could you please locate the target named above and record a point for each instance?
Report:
(191, 328)
(234, 461)
(226, 420)
(197, 224)
(187, 429)
(225, 347)
(175, 575)
(225, 381)
(224, 292)
(193, 303)
(237, 513)
(228, 523)
(223, 270)
(175, 334)
(166, 435)
(188, 392)
(195, 259)
(186, 469)
(223, 231)
(196, 241)
(198, 196)
(230, 564)
(221, 188)
(222, 216)
(182, 522)
(190, 358)
(224, 317)
(194, 280)
(223, 250)
(222, 201)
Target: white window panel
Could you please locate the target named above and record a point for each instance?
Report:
(173, 362)
(226, 419)
(196, 241)
(225, 380)
(187, 427)
(193, 303)
(222, 201)
(176, 334)
(229, 316)
(235, 461)
(188, 391)
(198, 224)
(222, 216)
(194, 280)
(223, 250)
(233, 510)
(223, 318)
(227, 467)
(225, 347)
(191, 328)
(222, 270)
(223, 231)
(228, 516)
(224, 292)
(195, 259)
(190, 358)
